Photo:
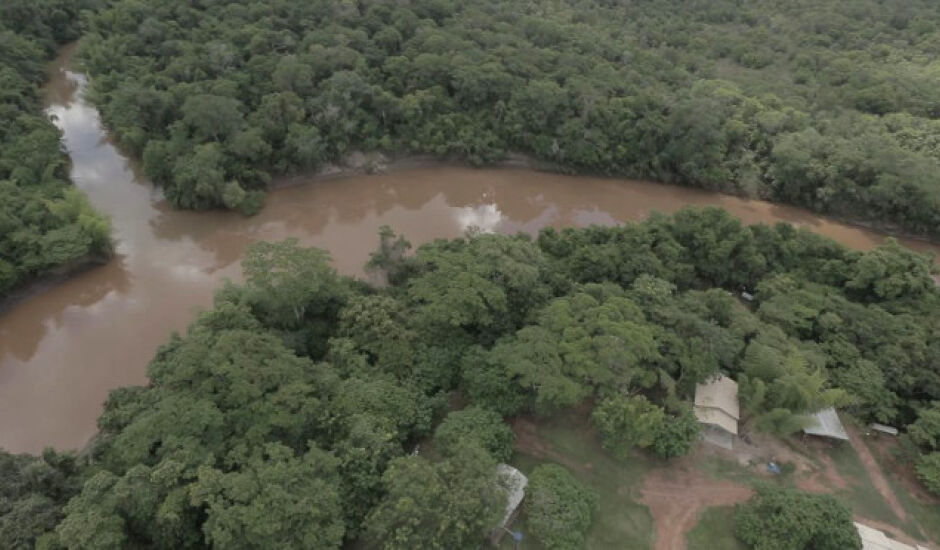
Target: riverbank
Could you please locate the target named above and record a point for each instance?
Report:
(372, 163)
(367, 164)
(49, 279)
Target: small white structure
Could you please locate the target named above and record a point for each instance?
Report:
(890, 430)
(826, 423)
(716, 406)
(747, 296)
(873, 539)
(514, 482)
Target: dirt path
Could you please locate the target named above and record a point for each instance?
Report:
(877, 476)
(676, 498)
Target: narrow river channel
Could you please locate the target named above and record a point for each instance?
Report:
(62, 350)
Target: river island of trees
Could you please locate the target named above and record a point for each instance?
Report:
(45, 223)
(827, 104)
(287, 415)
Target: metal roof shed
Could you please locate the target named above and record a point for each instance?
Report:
(515, 483)
(873, 539)
(890, 430)
(826, 423)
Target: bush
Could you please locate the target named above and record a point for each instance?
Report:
(677, 435)
(558, 508)
(627, 422)
(778, 518)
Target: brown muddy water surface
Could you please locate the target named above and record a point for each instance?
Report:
(62, 350)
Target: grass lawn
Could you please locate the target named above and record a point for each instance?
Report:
(922, 519)
(861, 495)
(620, 521)
(714, 531)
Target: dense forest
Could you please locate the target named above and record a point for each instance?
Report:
(45, 223)
(287, 415)
(826, 104)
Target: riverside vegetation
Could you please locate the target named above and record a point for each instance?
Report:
(829, 105)
(45, 223)
(286, 414)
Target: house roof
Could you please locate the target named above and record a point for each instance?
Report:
(515, 483)
(873, 539)
(717, 417)
(826, 423)
(716, 402)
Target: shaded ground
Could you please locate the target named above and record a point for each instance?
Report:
(677, 496)
(531, 443)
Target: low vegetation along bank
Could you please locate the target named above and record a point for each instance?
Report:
(46, 225)
(287, 415)
(829, 105)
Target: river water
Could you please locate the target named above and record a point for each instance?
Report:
(62, 350)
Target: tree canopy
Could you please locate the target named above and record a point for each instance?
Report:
(558, 508)
(45, 224)
(294, 411)
(827, 104)
(778, 518)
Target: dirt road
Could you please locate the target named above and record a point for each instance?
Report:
(676, 498)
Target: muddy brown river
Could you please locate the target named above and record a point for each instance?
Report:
(62, 350)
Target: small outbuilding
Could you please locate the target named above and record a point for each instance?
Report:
(716, 406)
(514, 482)
(874, 539)
(890, 430)
(826, 423)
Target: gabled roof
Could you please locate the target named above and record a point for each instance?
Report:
(716, 402)
(826, 423)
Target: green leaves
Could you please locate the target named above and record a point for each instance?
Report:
(928, 471)
(595, 338)
(482, 282)
(45, 223)
(628, 422)
(777, 518)
(558, 508)
(477, 426)
(449, 504)
(282, 417)
(275, 501)
(287, 283)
